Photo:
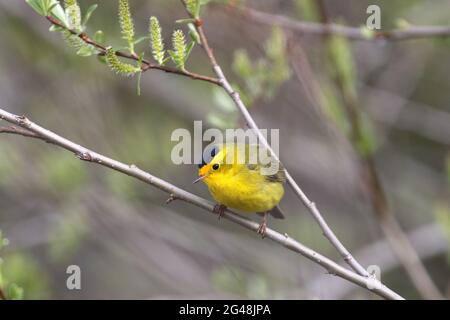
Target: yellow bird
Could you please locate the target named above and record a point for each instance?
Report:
(236, 179)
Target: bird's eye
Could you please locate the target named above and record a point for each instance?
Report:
(215, 166)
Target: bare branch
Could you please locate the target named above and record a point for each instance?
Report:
(146, 65)
(180, 194)
(410, 33)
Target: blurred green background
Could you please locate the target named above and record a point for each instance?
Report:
(57, 211)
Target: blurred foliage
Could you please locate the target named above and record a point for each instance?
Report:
(67, 236)
(9, 164)
(8, 287)
(342, 69)
(61, 172)
(306, 9)
(24, 270)
(262, 78)
(233, 280)
(258, 80)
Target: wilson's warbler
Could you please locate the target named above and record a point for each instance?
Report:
(241, 184)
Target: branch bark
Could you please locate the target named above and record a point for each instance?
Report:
(88, 155)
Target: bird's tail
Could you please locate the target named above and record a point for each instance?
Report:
(277, 213)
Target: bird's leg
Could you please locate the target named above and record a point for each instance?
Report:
(220, 210)
(263, 226)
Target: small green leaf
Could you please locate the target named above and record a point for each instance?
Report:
(88, 15)
(189, 49)
(140, 39)
(86, 51)
(38, 6)
(58, 12)
(99, 37)
(182, 21)
(193, 6)
(141, 57)
(101, 59)
(193, 33)
(54, 28)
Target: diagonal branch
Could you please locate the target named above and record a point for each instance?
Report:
(146, 64)
(353, 33)
(310, 205)
(85, 154)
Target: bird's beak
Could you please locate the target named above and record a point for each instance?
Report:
(199, 178)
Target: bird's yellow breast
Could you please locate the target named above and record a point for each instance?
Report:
(245, 190)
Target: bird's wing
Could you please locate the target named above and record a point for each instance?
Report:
(279, 176)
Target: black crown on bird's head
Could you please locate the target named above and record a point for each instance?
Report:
(213, 153)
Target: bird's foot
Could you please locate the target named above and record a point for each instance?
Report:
(263, 226)
(262, 229)
(220, 210)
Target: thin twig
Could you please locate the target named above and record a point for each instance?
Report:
(19, 131)
(311, 28)
(180, 194)
(310, 205)
(146, 65)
